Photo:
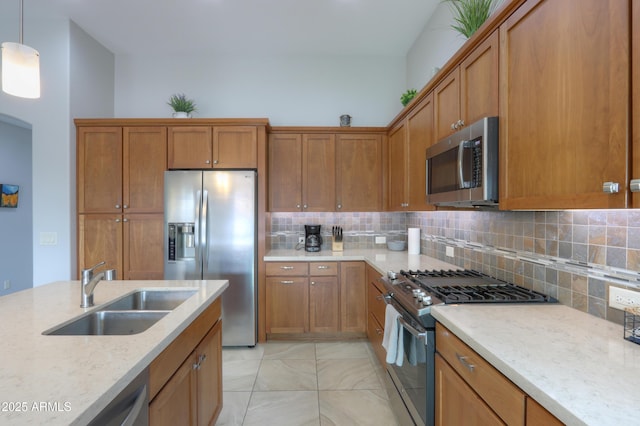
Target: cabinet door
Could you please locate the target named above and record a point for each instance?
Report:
(359, 173)
(456, 403)
(144, 164)
(479, 81)
(318, 173)
(99, 171)
(397, 169)
(143, 256)
(353, 297)
(176, 403)
(100, 239)
(419, 138)
(564, 97)
(635, 106)
(287, 305)
(209, 376)
(285, 172)
(537, 415)
(323, 304)
(235, 147)
(446, 100)
(190, 147)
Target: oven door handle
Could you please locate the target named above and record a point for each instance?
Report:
(413, 330)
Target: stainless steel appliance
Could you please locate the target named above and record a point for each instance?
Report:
(312, 238)
(129, 408)
(411, 386)
(211, 233)
(462, 170)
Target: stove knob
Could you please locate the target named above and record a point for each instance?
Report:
(416, 292)
(426, 300)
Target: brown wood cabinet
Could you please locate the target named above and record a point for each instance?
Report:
(469, 390)
(408, 143)
(358, 173)
(301, 172)
(470, 91)
(564, 99)
(317, 298)
(206, 147)
(635, 105)
(375, 313)
(185, 380)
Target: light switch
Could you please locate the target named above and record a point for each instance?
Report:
(48, 238)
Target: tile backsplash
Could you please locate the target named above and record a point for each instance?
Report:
(571, 255)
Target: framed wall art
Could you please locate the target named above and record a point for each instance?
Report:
(9, 195)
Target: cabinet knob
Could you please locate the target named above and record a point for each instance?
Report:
(207, 162)
(117, 206)
(453, 126)
(297, 206)
(215, 161)
(125, 220)
(635, 185)
(379, 331)
(125, 206)
(313, 283)
(117, 220)
(304, 206)
(460, 124)
(339, 206)
(610, 187)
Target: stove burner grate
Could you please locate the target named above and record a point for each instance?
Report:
(490, 293)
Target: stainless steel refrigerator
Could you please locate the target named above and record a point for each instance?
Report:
(211, 233)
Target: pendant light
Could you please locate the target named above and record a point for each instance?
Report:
(20, 67)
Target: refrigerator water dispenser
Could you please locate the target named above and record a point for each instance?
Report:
(181, 241)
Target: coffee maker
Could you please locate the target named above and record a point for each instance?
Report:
(312, 238)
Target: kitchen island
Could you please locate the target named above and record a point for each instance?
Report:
(61, 380)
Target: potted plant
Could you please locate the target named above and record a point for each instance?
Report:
(469, 15)
(182, 106)
(407, 96)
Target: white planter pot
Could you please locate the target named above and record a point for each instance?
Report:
(181, 114)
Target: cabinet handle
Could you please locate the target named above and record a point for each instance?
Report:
(125, 220)
(304, 206)
(379, 297)
(379, 331)
(339, 206)
(635, 185)
(117, 220)
(125, 206)
(207, 162)
(453, 126)
(117, 206)
(463, 361)
(323, 267)
(313, 283)
(286, 282)
(215, 161)
(461, 123)
(201, 358)
(196, 366)
(297, 206)
(286, 268)
(610, 187)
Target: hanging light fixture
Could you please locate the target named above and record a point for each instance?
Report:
(20, 67)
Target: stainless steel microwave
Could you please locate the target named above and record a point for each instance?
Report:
(462, 169)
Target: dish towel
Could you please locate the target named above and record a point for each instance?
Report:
(415, 349)
(393, 339)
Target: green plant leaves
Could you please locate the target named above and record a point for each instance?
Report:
(469, 15)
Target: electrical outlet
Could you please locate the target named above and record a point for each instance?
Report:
(620, 298)
(450, 251)
(300, 240)
(7, 284)
(381, 240)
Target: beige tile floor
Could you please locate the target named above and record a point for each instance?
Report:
(280, 384)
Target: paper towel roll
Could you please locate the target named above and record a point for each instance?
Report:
(413, 235)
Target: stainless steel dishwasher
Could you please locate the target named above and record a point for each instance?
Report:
(129, 408)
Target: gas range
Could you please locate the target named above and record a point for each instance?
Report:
(418, 290)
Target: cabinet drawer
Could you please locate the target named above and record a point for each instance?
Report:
(287, 268)
(376, 303)
(323, 268)
(375, 333)
(505, 398)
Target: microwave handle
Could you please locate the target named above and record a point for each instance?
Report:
(461, 148)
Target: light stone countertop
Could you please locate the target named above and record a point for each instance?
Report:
(382, 260)
(575, 365)
(62, 380)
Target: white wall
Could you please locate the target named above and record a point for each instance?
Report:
(433, 48)
(53, 146)
(289, 90)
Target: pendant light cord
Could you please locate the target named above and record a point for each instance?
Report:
(21, 19)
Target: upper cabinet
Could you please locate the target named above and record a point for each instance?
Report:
(324, 171)
(218, 147)
(470, 91)
(408, 143)
(121, 169)
(635, 106)
(564, 104)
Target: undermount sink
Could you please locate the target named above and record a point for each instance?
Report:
(150, 300)
(130, 314)
(108, 323)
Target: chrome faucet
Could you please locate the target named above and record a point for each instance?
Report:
(89, 283)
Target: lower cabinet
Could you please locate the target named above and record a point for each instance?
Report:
(315, 297)
(185, 380)
(471, 391)
(376, 309)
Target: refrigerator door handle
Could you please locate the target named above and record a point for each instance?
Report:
(205, 219)
(196, 232)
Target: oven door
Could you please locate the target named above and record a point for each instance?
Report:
(414, 381)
